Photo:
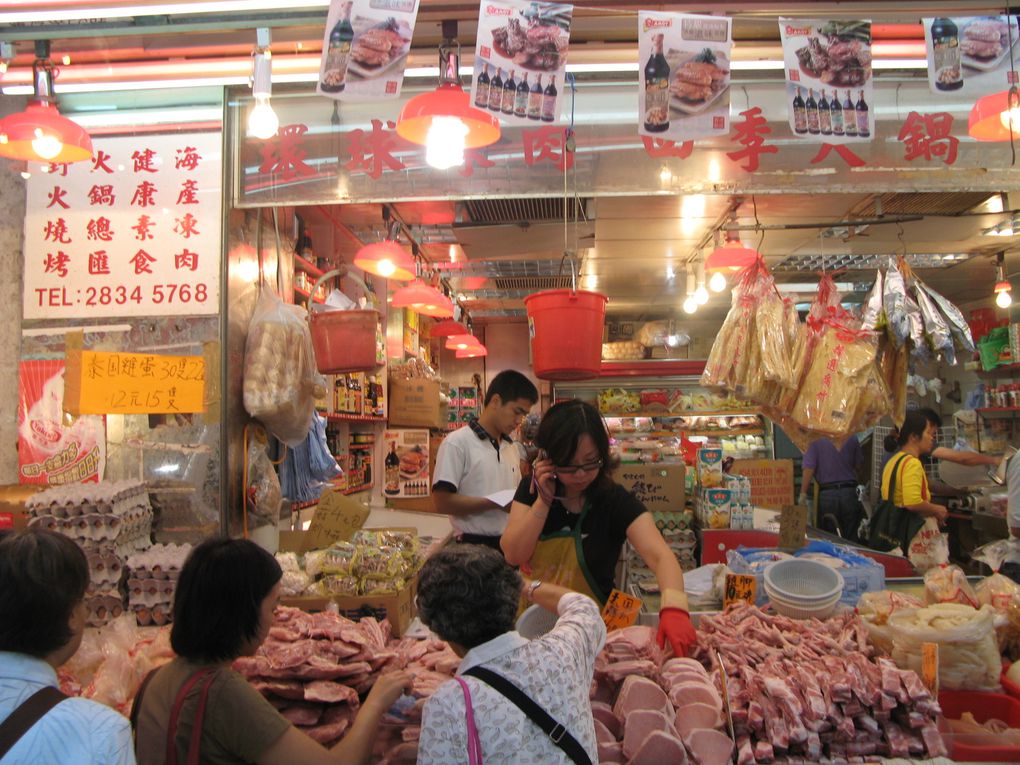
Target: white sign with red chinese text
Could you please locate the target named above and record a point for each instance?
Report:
(969, 54)
(520, 60)
(828, 79)
(135, 231)
(365, 47)
(684, 90)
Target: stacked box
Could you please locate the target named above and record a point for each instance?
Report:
(152, 581)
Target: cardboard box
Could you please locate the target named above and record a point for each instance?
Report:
(415, 403)
(659, 486)
(12, 504)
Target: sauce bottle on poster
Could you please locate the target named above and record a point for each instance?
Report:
(338, 53)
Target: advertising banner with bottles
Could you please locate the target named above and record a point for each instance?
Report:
(685, 75)
(520, 60)
(970, 54)
(365, 47)
(406, 464)
(828, 79)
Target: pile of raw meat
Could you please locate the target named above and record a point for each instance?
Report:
(313, 666)
(808, 691)
(648, 712)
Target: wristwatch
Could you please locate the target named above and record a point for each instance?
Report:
(535, 584)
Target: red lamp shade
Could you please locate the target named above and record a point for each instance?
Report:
(986, 116)
(449, 327)
(472, 352)
(41, 128)
(424, 299)
(447, 100)
(386, 259)
(1002, 286)
(731, 256)
(460, 342)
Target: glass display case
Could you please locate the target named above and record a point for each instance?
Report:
(666, 419)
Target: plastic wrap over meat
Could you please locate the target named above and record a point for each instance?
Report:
(936, 328)
(873, 315)
(957, 324)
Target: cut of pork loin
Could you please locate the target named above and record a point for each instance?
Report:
(642, 723)
(660, 748)
(610, 752)
(603, 713)
(330, 692)
(710, 747)
(602, 734)
(641, 693)
(685, 693)
(694, 716)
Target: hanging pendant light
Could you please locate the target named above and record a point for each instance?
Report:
(40, 133)
(731, 257)
(387, 258)
(449, 327)
(996, 117)
(262, 120)
(423, 298)
(1003, 289)
(443, 120)
(460, 342)
(473, 352)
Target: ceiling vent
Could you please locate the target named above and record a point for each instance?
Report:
(503, 211)
(920, 203)
(530, 283)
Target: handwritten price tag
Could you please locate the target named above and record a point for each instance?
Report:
(102, 382)
(740, 588)
(336, 519)
(930, 667)
(621, 610)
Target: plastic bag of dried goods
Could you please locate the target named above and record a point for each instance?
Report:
(875, 608)
(874, 403)
(1001, 593)
(929, 548)
(968, 654)
(263, 494)
(936, 329)
(958, 325)
(873, 315)
(901, 311)
(948, 584)
(728, 358)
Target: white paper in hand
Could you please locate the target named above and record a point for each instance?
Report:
(502, 498)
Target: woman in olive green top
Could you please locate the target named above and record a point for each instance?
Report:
(223, 609)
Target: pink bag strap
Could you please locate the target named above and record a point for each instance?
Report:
(474, 745)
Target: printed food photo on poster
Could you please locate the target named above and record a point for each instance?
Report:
(828, 79)
(406, 463)
(685, 75)
(520, 60)
(971, 54)
(365, 47)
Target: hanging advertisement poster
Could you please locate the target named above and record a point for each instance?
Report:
(365, 47)
(520, 59)
(51, 449)
(133, 232)
(972, 54)
(406, 464)
(684, 88)
(828, 79)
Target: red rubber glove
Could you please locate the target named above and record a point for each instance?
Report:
(675, 626)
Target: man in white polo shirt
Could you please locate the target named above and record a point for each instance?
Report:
(480, 460)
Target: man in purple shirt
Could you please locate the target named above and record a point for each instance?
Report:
(839, 510)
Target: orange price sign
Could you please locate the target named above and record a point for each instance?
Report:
(740, 588)
(621, 610)
(930, 667)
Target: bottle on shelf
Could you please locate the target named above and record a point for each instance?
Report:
(392, 466)
(521, 99)
(824, 117)
(549, 101)
(836, 114)
(811, 107)
(482, 88)
(496, 91)
(799, 114)
(535, 100)
(338, 52)
(509, 94)
(946, 54)
(863, 125)
(849, 117)
(656, 89)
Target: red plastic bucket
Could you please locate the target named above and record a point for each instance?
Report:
(566, 333)
(979, 747)
(344, 341)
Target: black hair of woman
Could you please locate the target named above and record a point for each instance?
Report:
(914, 424)
(560, 431)
(218, 599)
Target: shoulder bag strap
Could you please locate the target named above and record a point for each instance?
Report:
(556, 732)
(28, 713)
(175, 713)
(474, 744)
(136, 704)
(892, 478)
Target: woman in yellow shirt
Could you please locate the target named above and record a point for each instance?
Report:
(916, 437)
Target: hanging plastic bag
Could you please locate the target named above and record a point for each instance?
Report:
(280, 381)
(958, 325)
(929, 547)
(873, 316)
(936, 329)
(263, 493)
(899, 307)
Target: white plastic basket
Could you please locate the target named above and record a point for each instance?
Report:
(801, 610)
(803, 582)
(535, 621)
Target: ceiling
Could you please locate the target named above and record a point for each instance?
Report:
(494, 252)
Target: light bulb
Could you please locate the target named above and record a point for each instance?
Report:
(718, 282)
(1011, 118)
(45, 145)
(690, 304)
(262, 120)
(701, 294)
(385, 268)
(444, 144)
(1004, 299)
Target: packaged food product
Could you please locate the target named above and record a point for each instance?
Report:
(710, 473)
(717, 507)
(341, 558)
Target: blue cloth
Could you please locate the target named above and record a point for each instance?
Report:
(832, 465)
(78, 731)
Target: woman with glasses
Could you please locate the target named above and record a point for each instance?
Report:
(569, 520)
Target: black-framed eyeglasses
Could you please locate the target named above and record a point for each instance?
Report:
(588, 467)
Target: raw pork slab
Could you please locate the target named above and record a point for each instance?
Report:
(603, 713)
(639, 725)
(694, 716)
(330, 692)
(686, 693)
(641, 693)
(710, 747)
(660, 748)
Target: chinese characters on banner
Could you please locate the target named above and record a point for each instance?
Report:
(969, 54)
(133, 383)
(406, 464)
(828, 79)
(365, 47)
(520, 59)
(50, 449)
(133, 232)
(684, 89)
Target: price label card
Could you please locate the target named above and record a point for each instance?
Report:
(104, 382)
(930, 667)
(621, 610)
(740, 588)
(792, 527)
(336, 519)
